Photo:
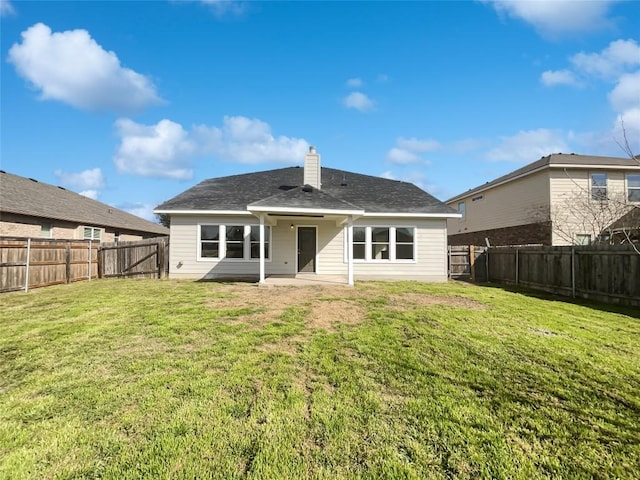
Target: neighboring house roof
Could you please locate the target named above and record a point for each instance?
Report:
(630, 221)
(25, 196)
(340, 190)
(555, 160)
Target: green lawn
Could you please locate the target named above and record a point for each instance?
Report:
(161, 379)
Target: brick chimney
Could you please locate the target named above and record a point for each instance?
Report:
(312, 168)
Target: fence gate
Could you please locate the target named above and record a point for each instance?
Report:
(142, 259)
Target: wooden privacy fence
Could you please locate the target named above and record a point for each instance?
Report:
(38, 262)
(141, 259)
(607, 273)
(467, 262)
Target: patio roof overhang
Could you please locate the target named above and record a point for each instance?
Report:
(272, 214)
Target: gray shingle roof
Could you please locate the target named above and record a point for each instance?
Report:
(25, 196)
(555, 159)
(305, 197)
(339, 190)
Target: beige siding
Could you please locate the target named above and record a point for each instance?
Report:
(519, 202)
(431, 247)
(572, 187)
(430, 264)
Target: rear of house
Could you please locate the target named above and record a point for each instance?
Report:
(311, 220)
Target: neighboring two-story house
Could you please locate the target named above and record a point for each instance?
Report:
(561, 199)
(29, 208)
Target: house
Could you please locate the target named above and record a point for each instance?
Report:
(561, 199)
(312, 220)
(29, 208)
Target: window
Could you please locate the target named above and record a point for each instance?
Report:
(599, 187)
(404, 243)
(380, 243)
(633, 187)
(209, 241)
(461, 210)
(92, 233)
(45, 230)
(234, 241)
(383, 243)
(583, 239)
(255, 241)
(359, 243)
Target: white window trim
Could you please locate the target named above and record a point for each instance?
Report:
(606, 186)
(392, 246)
(626, 182)
(222, 248)
(93, 230)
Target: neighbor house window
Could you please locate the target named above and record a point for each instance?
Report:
(404, 243)
(209, 241)
(45, 230)
(255, 241)
(599, 186)
(633, 187)
(583, 239)
(359, 243)
(92, 233)
(380, 243)
(462, 209)
(383, 243)
(234, 241)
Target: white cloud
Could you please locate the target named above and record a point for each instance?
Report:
(159, 150)
(626, 94)
(355, 83)
(382, 78)
(359, 101)
(249, 140)
(618, 57)
(388, 175)
(527, 146)
(416, 145)
(559, 77)
(89, 180)
(407, 150)
(165, 149)
(6, 8)
(400, 156)
(142, 210)
(72, 67)
(225, 7)
(557, 17)
(93, 194)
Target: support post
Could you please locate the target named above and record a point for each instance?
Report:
(350, 251)
(262, 275)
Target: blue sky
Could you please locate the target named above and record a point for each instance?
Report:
(134, 102)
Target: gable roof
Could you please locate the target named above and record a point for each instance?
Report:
(25, 196)
(555, 160)
(340, 190)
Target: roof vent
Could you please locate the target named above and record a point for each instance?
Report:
(61, 188)
(307, 188)
(344, 181)
(33, 179)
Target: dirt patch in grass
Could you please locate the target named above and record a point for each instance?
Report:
(328, 307)
(412, 300)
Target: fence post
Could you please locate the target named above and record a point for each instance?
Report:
(449, 254)
(26, 273)
(517, 266)
(68, 262)
(573, 272)
(472, 262)
(486, 260)
(89, 262)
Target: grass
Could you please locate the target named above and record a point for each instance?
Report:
(161, 379)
